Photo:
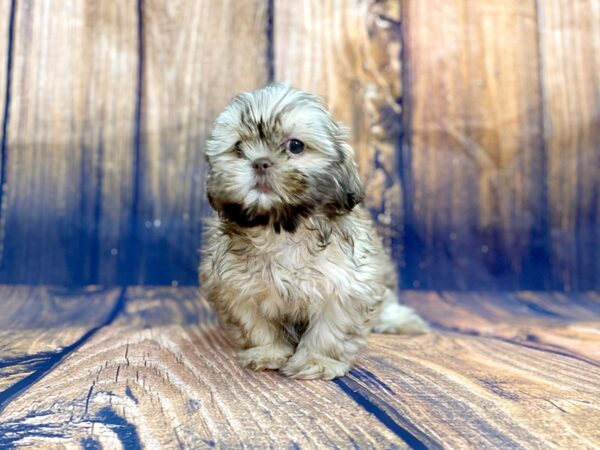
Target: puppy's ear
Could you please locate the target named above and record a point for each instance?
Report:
(211, 191)
(346, 189)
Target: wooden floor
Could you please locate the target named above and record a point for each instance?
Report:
(149, 368)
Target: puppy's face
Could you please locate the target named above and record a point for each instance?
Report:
(276, 156)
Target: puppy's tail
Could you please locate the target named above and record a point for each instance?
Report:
(395, 318)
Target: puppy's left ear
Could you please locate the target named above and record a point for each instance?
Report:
(347, 189)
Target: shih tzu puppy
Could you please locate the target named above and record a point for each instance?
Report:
(293, 264)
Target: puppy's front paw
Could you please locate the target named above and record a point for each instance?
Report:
(312, 366)
(272, 356)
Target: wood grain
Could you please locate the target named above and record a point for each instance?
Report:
(553, 322)
(474, 167)
(473, 392)
(157, 379)
(68, 192)
(570, 44)
(38, 322)
(475, 124)
(349, 53)
(163, 375)
(197, 56)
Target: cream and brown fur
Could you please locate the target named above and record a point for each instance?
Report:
(292, 263)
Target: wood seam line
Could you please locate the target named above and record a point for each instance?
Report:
(543, 126)
(270, 50)
(130, 266)
(406, 275)
(11, 393)
(352, 390)
(94, 273)
(3, 143)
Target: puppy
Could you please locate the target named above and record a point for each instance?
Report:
(293, 264)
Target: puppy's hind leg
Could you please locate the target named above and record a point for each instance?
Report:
(395, 318)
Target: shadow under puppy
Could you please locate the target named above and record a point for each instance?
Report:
(292, 263)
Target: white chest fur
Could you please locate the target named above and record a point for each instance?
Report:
(291, 266)
(297, 273)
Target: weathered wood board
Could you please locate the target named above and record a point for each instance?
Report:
(552, 322)
(38, 325)
(476, 125)
(163, 375)
(474, 160)
(471, 392)
(196, 56)
(570, 44)
(67, 201)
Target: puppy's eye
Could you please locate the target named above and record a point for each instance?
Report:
(294, 146)
(238, 149)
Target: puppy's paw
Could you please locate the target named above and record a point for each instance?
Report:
(312, 366)
(272, 356)
(400, 319)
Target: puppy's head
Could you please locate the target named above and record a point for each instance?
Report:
(276, 156)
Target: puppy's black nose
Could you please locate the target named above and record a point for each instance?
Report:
(261, 165)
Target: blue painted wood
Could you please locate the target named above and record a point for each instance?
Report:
(126, 431)
(46, 362)
(385, 414)
(456, 385)
(45, 309)
(66, 202)
(137, 219)
(181, 95)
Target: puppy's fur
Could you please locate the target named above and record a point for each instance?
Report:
(293, 264)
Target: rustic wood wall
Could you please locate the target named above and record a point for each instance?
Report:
(476, 124)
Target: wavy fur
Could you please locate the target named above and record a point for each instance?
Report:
(297, 273)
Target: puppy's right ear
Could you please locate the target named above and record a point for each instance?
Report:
(211, 186)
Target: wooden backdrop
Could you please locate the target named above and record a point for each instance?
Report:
(476, 124)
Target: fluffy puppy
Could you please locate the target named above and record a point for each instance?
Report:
(292, 263)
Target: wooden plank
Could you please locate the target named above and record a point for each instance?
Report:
(349, 53)
(554, 322)
(69, 164)
(38, 323)
(163, 376)
(570, 44)
(473, 161)
(197, 56)
(475, 392)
